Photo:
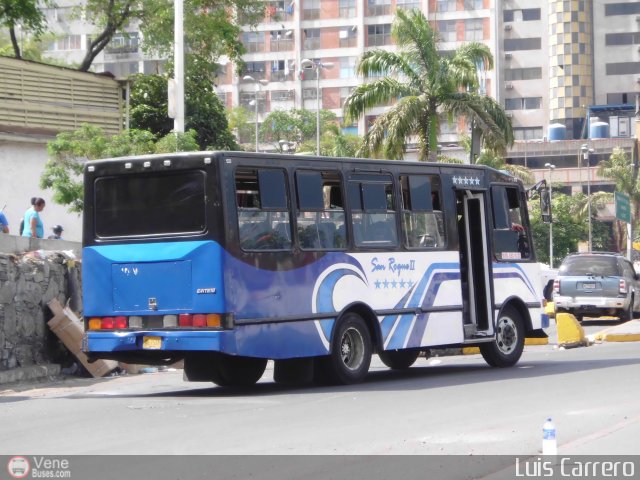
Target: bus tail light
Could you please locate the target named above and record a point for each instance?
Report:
(199, 320)
(107, 323)
(185, 320)
(214, 320)
(120, 322)
(95, 323)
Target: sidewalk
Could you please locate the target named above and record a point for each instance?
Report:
(627, 332)
(26, 374)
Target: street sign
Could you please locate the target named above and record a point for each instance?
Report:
(623, 207)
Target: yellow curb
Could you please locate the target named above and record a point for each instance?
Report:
(622, 337)
(605, 336)
(470, 350)
(536, 341)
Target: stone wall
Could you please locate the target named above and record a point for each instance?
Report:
(28, 282)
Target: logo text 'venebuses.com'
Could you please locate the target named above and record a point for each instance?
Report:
(38, 467)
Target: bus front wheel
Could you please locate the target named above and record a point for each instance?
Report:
(506, 349)
(350, 355)
(399, 359)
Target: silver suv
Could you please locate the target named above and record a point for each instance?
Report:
(597, 284)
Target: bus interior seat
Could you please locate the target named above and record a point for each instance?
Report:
(282, 230)
(326, 231)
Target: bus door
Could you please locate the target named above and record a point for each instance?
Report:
(475, 272)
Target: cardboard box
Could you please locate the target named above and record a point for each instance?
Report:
(69, 329)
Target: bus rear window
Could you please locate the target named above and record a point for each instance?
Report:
(150, 204)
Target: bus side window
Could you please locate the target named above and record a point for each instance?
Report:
(320, 210)
(422, 221)
(373, 212)
(263, 209)
(511, 241)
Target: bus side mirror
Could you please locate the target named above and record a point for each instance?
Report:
(545, 205)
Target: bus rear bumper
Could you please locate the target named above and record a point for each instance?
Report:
(158, 341)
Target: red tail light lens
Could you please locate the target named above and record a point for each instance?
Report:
(107, 323)
(185, 320)
(199, 320)
(556, 286)
(120, 322)
(623, 285)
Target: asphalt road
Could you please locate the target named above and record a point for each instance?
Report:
(444, 405)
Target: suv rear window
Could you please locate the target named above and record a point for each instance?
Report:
(590, 265)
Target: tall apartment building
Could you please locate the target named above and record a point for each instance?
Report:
(557, 62)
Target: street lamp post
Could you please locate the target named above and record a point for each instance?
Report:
(317, 66)
(257, 83)
(585, 152)
(550, 166)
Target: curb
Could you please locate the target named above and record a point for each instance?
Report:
(610, 334)
(32, 372)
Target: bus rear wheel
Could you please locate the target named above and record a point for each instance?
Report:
(506, 349)
(399, 359)
(350, 355)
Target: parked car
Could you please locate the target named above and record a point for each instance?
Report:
(597, 284)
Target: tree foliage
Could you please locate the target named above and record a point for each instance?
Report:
(295, 126)
(208, 26)
(423, 83)
(70, 150)
(570, 228)
(204, 111)
(624, 174)
(24, 14)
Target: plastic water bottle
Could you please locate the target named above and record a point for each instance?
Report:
(549, 443)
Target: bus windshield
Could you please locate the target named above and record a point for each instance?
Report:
(172, 203)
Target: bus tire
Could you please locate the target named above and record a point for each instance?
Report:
(350, 355)
(399, 359)
(506, 349)
(239, 371)
(294, 371)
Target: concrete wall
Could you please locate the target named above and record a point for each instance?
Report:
(33, 272)
(26, 285)
(22, 160)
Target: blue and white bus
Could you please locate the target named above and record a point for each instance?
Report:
(229, 259)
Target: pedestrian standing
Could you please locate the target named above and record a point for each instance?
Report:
(33, 226)
(4, 223)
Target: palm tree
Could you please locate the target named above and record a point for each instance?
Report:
(424, 83)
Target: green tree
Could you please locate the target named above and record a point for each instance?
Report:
(337, 144)
(25, 14)
(423, 83)
(295, 126)
(204, 112)
(181, 142)
(240, 123)
(209, 29)
(70, 150)
(569, 228)
(625, 176)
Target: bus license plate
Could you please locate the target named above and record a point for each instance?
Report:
(151, 343)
